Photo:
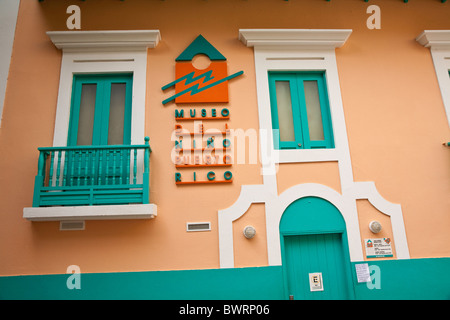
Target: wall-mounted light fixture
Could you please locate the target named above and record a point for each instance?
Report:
(375, 226)
(249, 232)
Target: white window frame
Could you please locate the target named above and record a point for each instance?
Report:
(439, 43)
(93, 52)
(298, 50)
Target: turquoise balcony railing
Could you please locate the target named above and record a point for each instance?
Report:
(92, 175)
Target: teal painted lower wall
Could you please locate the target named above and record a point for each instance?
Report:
(414, 279)
(239, 283)
(398, 279)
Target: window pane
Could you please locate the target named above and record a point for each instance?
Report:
(116, 113)
(284, 106)
(87, 110)
(313, 110)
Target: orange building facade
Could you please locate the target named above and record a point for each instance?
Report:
(298, 145)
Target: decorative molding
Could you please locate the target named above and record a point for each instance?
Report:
(288, 50)
(368, 190)
(439, 43)
(85, 52)
(308, 38)
(8, 17)
(103, 52)
(89, 41)
(435, 39)
(302, 58)
(249, 194)
(344, 203)
(107, 212)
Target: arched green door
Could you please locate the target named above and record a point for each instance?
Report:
(315, 254)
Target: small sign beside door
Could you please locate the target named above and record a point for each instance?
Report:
(378, 248)
(315, 281)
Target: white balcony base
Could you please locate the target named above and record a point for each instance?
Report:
(108, 212)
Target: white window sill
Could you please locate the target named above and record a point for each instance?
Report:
(109, 212)
(305, 155)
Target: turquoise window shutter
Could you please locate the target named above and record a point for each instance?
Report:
(99, 166)
(311, 118)
(91, 109)
(100, 116)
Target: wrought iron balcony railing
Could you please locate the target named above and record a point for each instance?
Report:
(92, 175)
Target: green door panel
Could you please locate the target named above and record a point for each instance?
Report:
(311, 215)
(92, 96)
(100, 115)
(322, 253)
(313, 239)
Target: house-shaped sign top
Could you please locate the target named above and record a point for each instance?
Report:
(200, 46)
(193, 85)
